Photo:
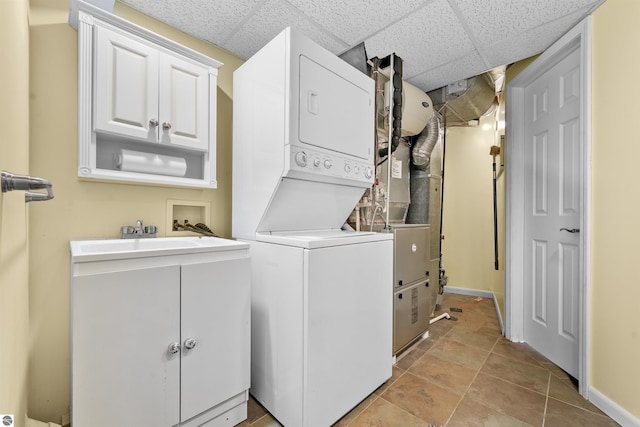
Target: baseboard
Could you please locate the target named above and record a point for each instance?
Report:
(35, 423)
(466, 291)
(478, 293)
(612, 409)
(499, 313)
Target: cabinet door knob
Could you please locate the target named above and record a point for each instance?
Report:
(174, 348)
(153, 123)
(190, 343)
(166, 125)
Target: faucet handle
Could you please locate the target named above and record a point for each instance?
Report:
(139, 231)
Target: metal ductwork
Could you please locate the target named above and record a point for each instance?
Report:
(423, 146)
(465, 100)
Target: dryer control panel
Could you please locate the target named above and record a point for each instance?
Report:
(319, 166)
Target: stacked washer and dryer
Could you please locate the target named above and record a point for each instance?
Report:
(303, 156)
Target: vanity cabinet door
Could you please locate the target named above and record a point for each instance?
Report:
(126, 86)
(122, 325)
(184, 103)
(215, 299)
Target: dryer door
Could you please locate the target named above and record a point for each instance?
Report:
(335, 113)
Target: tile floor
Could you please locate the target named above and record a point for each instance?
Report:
(466, 374)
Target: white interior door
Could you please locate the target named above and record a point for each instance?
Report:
(546, 285)
(552, 213)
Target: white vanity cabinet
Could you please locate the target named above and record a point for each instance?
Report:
(147, 106)
(160, 339)
(142, 92)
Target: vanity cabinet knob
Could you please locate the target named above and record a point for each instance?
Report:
(190, 343)
(174, 348)
(153, 123)
(166, 125)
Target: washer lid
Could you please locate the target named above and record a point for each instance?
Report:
(311, 239)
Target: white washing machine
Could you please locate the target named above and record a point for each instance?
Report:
(321, 323)
(303, 155)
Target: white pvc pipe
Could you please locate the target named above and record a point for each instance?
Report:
(442, 316)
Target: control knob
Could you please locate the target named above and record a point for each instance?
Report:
(356, 170)
(327, 164)
(316, 162)
(368, 173)
(301, 159)
(347, 167)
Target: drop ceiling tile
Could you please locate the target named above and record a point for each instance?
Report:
(465, 67)
(492, 20)
(206, 20)
(426, 39)
(353, 20)
(430, 35)
(531, 42)
(268, 21)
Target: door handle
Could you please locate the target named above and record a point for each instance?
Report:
(571, 230)
(174, 348)
(313, 105)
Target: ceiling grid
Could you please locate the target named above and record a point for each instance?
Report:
(440, 41)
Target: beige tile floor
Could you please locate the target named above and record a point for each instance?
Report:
(466, 374)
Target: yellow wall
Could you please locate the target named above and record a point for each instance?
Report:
(468, 251)
(615, 204)
(87, 209)
(14, 146)
(468, 248)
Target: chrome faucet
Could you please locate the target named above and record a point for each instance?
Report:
(140, 231)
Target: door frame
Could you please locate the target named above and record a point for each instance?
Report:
(580, 37)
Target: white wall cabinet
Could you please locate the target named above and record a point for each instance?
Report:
(161, 341)
(143, 93)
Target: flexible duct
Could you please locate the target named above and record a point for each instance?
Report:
(423, 146)
(465, 100)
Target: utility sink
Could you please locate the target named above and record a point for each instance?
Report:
(110, 249)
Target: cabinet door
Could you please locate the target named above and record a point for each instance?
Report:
(216, 314)
(125, 86)
(122, 324)
(184, 103)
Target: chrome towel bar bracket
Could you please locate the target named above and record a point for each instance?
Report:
(10, 182)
